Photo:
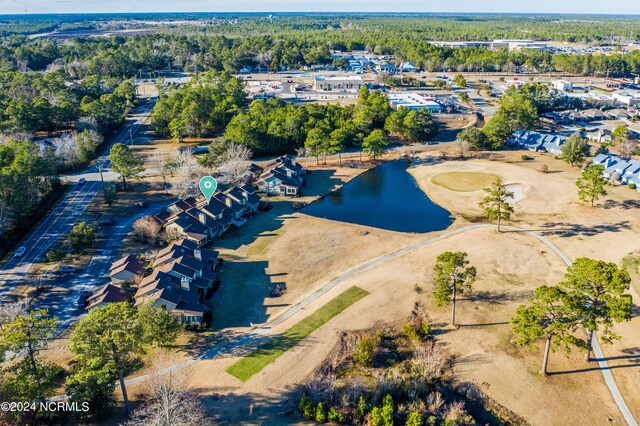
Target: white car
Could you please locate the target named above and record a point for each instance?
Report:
(21, 251)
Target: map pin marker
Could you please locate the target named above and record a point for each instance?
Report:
(208, 186)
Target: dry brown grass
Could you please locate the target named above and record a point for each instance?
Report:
(464, 181)
(308, 252)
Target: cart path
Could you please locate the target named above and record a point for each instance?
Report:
(260, 331)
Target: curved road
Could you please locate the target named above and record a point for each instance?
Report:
(260, 331)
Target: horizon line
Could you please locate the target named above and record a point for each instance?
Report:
(26, 13)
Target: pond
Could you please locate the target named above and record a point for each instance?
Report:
(386, 197)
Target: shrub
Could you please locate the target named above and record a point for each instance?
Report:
(632, 185)
(321, 415)
(426, 329)
(362, 408)
(544, 168)
(525, 158)
(375, 417)
(363, 355)
(409, 330)
(335, 416)
(306, 406)
(387, 410)
(414, 419)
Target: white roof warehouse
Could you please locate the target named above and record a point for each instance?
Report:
(414, 101)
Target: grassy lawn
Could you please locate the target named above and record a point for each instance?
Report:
(464, 181)
(632, 264)
(269, 352)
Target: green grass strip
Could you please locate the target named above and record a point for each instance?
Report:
(270, 351)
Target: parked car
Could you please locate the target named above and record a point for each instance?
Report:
(82, 299)
(82, 181)
(140, 204)
(67, 269)
(21, 251)
(107, 222)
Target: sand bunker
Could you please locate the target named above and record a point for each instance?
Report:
(518, 192)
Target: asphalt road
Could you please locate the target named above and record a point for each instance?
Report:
(59, 222)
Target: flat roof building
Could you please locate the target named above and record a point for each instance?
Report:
(414, 101)
(562, 85)
(627, 97)
(350, 83)
(495, 44)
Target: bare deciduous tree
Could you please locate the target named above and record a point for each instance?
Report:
(187, 166)
(303, 152)
(164, 165)
(462, 147)
(11, 311)
(428, 361)
(627, 148)
(66, 147)
(172, 234)
(235, 164)
(147, 228)
(169, 402)
(87, 123)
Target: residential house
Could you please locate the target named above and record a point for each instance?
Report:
(535, 141)
(593, 114)
(284, 176)
(182, 277)
(387, 67)
(246, 196)
(231, 203)
(617, 169)
(128, 269)
(200, 221)
(187, 226)
(255, 171)
(108, 293)
(617, 114)
(408, 67)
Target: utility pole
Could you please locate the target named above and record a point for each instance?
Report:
(100, 165)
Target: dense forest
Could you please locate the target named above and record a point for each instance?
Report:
(430, 26)
(297, 40)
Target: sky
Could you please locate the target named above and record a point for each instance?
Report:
(504, 6)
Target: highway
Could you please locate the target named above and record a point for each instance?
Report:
(60, 221)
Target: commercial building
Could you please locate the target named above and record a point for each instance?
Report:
(414, 101)
(627, 97)
(349, 83)
(512, 45)
(562, 85)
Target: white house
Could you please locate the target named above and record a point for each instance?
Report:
(562, 85)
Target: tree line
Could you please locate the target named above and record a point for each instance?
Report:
(34, 102)
(274, 126)
(295, 42)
